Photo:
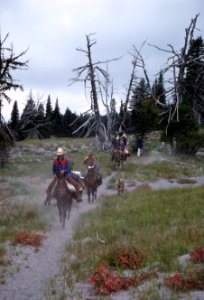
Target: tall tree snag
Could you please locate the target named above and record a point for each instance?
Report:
(93, 73)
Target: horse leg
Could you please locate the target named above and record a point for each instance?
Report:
(60, 210)
(63, 216)
(89, 195)
(69, 201)
(68, 211)
(93, 195)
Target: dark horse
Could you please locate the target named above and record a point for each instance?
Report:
(117, 157)
(91, 183)
(64, 199)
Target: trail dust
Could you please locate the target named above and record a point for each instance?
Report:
(30, 270)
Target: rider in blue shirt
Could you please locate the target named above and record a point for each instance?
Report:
(63, 167)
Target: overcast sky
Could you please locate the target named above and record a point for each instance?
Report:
(53, 29)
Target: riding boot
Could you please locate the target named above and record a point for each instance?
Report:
(77, 187)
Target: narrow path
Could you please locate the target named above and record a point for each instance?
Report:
(31, 269)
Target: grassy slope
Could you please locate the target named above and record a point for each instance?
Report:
(165, 224)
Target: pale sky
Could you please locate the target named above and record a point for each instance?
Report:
(53, 29)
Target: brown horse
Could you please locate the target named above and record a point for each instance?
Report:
(64, 199)
(117, 157)
(91, 183)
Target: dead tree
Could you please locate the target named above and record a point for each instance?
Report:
(136, 62)
(108, 100)
(177, 64)
(92, 73)
(9, 62)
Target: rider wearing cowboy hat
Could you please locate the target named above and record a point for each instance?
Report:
(63, 166)
(90, 160)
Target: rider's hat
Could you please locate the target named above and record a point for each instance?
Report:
(60, 151)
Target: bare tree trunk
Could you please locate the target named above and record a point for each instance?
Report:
(92, 72)
(136, 62)
(94, 97)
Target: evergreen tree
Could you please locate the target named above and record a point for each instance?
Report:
(66, 121)
(15, 117)
(57, 120)
(194, 81)
(48, 130)
(185, 133)
(32, 120)
(139, 94)
(158, 88)
(41, 112)
(49, 111)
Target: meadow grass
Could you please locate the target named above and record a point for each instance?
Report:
(164, 224)
(19, 216)
(170, 168)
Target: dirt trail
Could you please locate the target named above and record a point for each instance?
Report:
(31, 270)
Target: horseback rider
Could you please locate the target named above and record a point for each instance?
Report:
(90, 161)
(62, 166)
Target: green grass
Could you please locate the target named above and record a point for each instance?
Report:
(168, 169)
(21, 216)
(163, 223)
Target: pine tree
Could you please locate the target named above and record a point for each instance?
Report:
(186, 132)
(66, 122)
(139, 94)
(15, 117)
(41, 112)
(158, 88)
(32, 119)
(57, 120)
(49, 111)
(194, 81)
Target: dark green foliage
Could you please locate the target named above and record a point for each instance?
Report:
(32, 122)
(67, 120)
(144, 115)
(6, 142)
(15, 117)
(57, 120)
(47, 128)
(49, 111)
(183, 134)
(194, 81)
(158, 89)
